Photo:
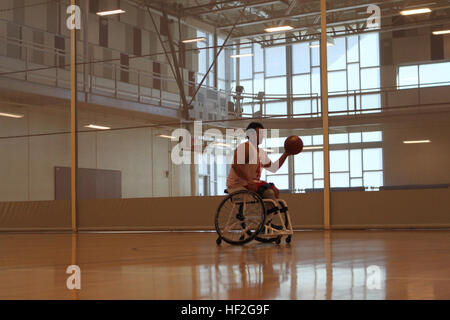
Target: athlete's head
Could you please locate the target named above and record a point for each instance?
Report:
(254, 132)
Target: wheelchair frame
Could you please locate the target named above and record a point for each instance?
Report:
(267, 233)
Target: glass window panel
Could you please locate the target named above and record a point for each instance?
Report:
(372, 159)
(275, 61)
(352, 49)
(303, 181)
(373, 179)
(356, 182)
(248, 109)
(245, 64)
(337, 81)
(315, 80)
(276, 86)
(222, 85)
(318, 140)
(315, 55)
(301, 84)
(370, 48)
(337, 138)
(353, 76)
(274, 142)
(371, 101)
(302, 107)
(352, 100)
(248, 86)
(281, 182)
(374, 136)
(303, 163)
(355, 163)
(338, 160)
(318, 164)
(276, 108)
(307, 140)
(370, 78)
(355, 137)
(431, 74)
(258, 83)
(408, 76)
(336, 55)
(318, 184)
(258, 58)
(300, 58)
(339, 180)
(337, 104)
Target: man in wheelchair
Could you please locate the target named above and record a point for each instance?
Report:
(245, 173)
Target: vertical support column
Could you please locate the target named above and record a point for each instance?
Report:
(216, 65)
(73, 124)
(324, 94)
(86, 67)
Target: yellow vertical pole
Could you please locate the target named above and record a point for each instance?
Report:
(73, 124)
(324, 94)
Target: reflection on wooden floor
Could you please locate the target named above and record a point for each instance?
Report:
(316, 265)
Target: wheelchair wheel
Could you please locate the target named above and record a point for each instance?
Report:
(240, 217)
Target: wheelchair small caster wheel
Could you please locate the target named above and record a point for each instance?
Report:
(278, 240)
(219, 241)
(288, 239)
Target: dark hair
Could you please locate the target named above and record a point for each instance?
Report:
(254, 126)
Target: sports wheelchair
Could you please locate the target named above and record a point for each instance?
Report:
(244, 216)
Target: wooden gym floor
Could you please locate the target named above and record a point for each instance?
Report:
(176, 265)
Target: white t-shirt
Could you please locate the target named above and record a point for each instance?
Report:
(256, 159)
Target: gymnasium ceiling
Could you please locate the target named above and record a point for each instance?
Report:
(249, 18)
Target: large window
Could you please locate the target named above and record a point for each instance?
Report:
(356, 160)
(353, 70)
(423, 75)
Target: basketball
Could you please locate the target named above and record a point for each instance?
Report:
(293, 145)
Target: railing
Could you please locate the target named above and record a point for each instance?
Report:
(385, 95)
(41, 64)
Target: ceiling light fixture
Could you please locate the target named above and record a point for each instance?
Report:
(110, 12)
(415, 11)
(194, 40)
(436, 33)
(280, 28)
(241, 55)
(416, 141)
(11, 115)
(94, 126)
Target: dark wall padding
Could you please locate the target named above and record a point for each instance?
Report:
(424, 208)
(35, 216)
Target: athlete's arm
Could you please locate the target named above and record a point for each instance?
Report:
(274, 166)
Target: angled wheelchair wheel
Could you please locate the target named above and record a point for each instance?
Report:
(240, 217)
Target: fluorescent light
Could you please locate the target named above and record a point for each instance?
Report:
(436, 33)
(194, 40)
(268, 150)
(242, 55)
(111, 12)
(313, 148)
(11, 115)
(415, 11)
(167, 137)
(94, 126)
(280, 28)
(416, 141)
(220, 144)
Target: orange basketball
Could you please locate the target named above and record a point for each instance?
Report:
(293, 145)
